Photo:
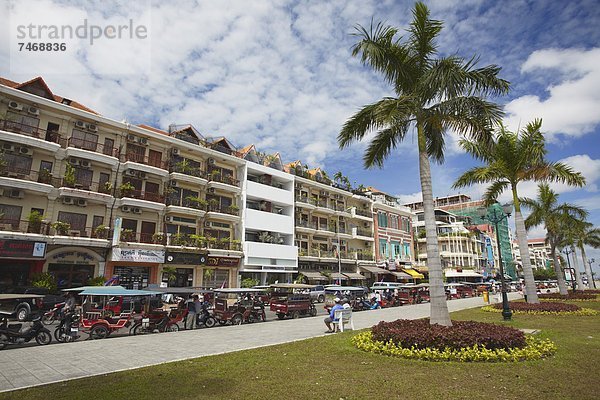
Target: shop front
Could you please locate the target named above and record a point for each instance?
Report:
(20, 260)
(323, 272)
(134, 268)
(73, 266)
(219, 272)
(180, 269)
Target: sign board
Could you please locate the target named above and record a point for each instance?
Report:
(222, 262)
(138, 255)
(22, 249)
(117, 231)
(185, 258)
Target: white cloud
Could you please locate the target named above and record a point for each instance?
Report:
(410, 198)
(571, 107)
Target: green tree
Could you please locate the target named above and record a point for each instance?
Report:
(557, 218)
(511, 158)
(432, 95)
(586, 234)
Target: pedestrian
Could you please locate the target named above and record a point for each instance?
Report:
(70, 302)
(190, 320)
(331, 318)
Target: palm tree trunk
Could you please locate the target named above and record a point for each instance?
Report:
(588, 268)
(562, 284)
(576, 267)
(439, 307)
(530, 288)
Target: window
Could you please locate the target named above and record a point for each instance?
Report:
(47, 165)
(148, 230)
(69, 275)
(25, 123)
(135, 153)
(17, 163)
(136, 183)
(83, 177)
(104, 179)
(10, 215)
(382, 219)
(96, 222)
(217, 278)
(76, 221)
(84, 140)
(396, 249)
(152, 187)
(108, 147)
(130, 224)
(383, 250)
(394, 222)
(155, 158)
(181, 229)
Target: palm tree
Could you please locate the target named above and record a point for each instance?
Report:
(338, 176)
(432, 95)
(587, 235)
(556, 218)
(512, 158)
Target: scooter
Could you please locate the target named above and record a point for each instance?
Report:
(68, 328)
(205, 318)
(53, 314)
(14, 334)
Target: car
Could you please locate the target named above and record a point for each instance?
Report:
(49, 299)
(317, 293)
(20, 306)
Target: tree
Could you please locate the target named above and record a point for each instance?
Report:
(432, 96)
(587, 235)
(512, 158)
(556, 217)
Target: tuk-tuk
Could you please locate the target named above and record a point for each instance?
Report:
(356, 296)
(458, 291)
(238, 305)
(292, 300)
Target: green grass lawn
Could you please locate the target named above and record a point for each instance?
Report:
(331, 368)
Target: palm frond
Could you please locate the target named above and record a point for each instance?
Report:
(383, 143)
(475, 175)
(495, 190)
(423, 32)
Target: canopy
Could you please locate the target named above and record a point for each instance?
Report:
(401, 275)
(354, 275)
(292, 286)
(462, 274)
(315, 276)
(115, 291)
(374, 270)
(96, 288)
(239, 290)
(337, 275)
(414, 274)
(336, 288)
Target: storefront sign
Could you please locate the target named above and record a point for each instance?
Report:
(222, 262)
(72, 257)
(22, 249)
(138, 255)
(185, 258)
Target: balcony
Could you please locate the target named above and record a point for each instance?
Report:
(224, 182)
(305, 226)
(363, 234)
(140, 195)
(187, 206)
(191, 170)
(93, 147)
(224, 150)
(55, 233)
(31, 131)
(145, 160)
(363, 213)
(230, 213)
(305, 202)
(325, 207)
(203, 242)
(317, 253)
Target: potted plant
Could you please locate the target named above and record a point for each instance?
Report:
(35, 222)
(196, 202)
(61, 228)
(199, 241)
(70, 179)
(105, 188)
(233, 209)
(45, 176)
(208, 274)
(158, 238)
(101, 231)
(44, 280)
(215, 175)
(212, 242)
(127, 235)
(236, 245)
(213, 205)
(126, 189)
(169, 274)
(224, 243)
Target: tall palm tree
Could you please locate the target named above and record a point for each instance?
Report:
(587, 235)
(511, 158)
(557, 218)
(432, 95)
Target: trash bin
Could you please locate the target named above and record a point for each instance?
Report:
(486, 296)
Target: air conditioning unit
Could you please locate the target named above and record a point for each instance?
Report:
(211, 161)
(207, 224)
(25, 151)
(131, 138)
(125, 208)
(211, 190)
(15, 106)
(175, 151)
(16, 194)
(33, 110)
(85, 163)
(168, 218)
(173, 183)
(68, 200)
(73, 161)
(79, 124)
(8, 148)
(136, 210)
(81, 202)
(92, 127)
(130, 172)
(142, 175)
(143, 141)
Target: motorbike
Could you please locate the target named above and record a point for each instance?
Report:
(55, 313)
(16, 334)
(154, 322)
(68, 328)
(205, 318)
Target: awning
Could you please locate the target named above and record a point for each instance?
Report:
(414, 274)
(354, 275)
(315, 276)
(374, 270)
(463, 274)
(422, 268)
(337, 275)
(401, 275)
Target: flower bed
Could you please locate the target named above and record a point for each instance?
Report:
(465, 341)
(577, 296)
(545, 308)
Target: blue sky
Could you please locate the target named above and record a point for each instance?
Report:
(280, 75)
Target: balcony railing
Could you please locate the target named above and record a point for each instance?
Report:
(229, 180)
(364, 232)
(364, 213)
(306, 200)
(141, 195)
(31, 131)
(47, 178)
(306, 224)
(143, 159)
(98, 187)
(203, 242)
(225, 150)
(197, 171)
(186, 203)
(224, 210)
(92, 146)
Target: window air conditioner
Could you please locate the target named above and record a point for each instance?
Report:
(92, 127)
(125, 208)
(141, 175)
(81, 202)
(73, 161)
(67, 200)
(168, 218)
(130, 172)
(130, 138)
(136, 210)
(207, 224)
(143, 141)
(85, 163)
(173, 183)
(79, 124)
(323, 193)
(211, 161)
(33, 110)
(25, 151)
(15, 106)
(16, 194)
(8, 148)
(211, 190)
(175, 151)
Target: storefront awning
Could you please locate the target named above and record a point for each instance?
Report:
(414, 274)
(314, 276)
(354, 275)
(337, 275)
(401, 275)
(374, 270)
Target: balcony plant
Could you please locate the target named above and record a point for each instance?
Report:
(35, 222)
(212, 242)
(105, 188)
(213, 205)
(101, 231)
(70, 180)
(199, 240)
(61, 228)
(44, 280)
(158, 238)
(177, 239)
(224, 243)
(127, 235)
(184, 167)
(126, 189)
(215, 175)
(236, 245)
(233, 209)
(44, 176)
(196, 202)
(249, 282)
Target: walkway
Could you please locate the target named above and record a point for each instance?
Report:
(39, 365)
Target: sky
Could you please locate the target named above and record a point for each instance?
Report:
(280, 74)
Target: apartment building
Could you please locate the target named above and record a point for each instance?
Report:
(539, 253)
(85, 196)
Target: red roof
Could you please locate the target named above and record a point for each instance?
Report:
(150, 128)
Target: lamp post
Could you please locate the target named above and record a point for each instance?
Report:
(591, 283)
(567, 251)
(495, 218)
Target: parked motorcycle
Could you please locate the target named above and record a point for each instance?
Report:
(54, 314)
(68, 328)
(154, 322)
(16, 334)
(205, 318)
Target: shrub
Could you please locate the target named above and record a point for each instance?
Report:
(419, 334)
(96, 281)
(577, 296)
(545, 308)
(44, 280)
(534, 349)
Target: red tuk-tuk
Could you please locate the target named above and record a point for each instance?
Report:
(458, 291)
(238, 305)
(292, 300)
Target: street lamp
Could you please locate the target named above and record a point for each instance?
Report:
(495, 217)
(567, 251)
(591, 283)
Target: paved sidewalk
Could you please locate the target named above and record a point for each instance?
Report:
(39, 365)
